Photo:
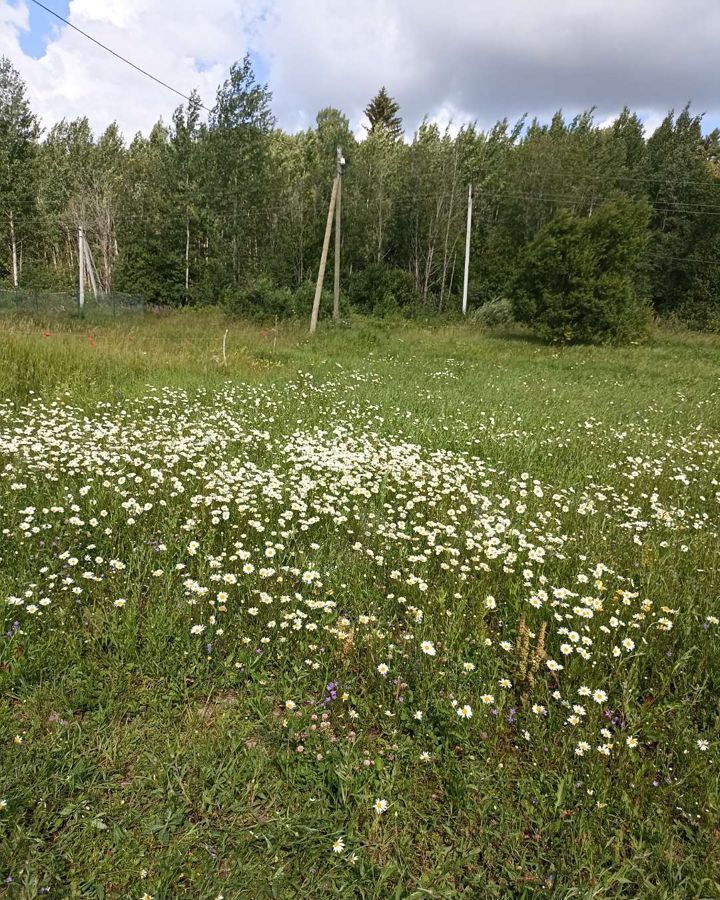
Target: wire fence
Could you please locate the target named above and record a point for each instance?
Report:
(30, 301)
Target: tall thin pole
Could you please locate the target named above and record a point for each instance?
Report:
(323, 259)
(338, 225)
(13, 244)
(89, 268)
(467, 251)
(187, 255)
(81, 267)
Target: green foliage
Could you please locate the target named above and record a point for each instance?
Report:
(382, 113)
(496, 312)
(382, 290)
(193, 213)
(700, 305)
(685, 192)
(235, 172)
(582, 279)
(19, 132)
(262, 299)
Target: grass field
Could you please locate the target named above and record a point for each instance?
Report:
(395, 613)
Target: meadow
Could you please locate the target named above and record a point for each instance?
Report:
(396, 612)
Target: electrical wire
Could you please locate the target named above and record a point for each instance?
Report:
(480, 196)
(117, 55)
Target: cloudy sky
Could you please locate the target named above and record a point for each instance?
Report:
(455, 60)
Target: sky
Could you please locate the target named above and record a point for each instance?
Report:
(455, 61)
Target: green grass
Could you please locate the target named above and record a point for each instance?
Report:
(139, 758)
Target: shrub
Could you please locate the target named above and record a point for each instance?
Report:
(494, 313)
(305, 295)
(260, 299)
(382, 290)
(699, 306)
(583, 279)
(263, 299)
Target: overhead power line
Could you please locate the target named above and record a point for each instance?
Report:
(563, 195)
(117, 55)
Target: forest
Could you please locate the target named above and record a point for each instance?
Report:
(583, 230)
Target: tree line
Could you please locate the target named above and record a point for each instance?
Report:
(580, 229)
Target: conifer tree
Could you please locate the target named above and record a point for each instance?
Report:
(382, 112)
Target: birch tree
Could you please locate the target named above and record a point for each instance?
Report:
(19, 132)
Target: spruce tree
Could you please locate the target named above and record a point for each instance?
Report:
(382, 113)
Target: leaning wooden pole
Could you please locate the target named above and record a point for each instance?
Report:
(323, 259)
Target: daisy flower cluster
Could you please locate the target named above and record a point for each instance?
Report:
(487, 595)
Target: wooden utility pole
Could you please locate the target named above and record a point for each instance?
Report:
(81, 267)
(467, 251)
(323, 258)
(338, 225)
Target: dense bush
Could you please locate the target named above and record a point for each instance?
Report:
(582, 279)
(699, 308)
(383, 290)
(261, 298)
(494, 313)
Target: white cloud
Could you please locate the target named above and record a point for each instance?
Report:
(456, 60)
(182, 43)
(494, 58)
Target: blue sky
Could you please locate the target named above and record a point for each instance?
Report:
(42, 27)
